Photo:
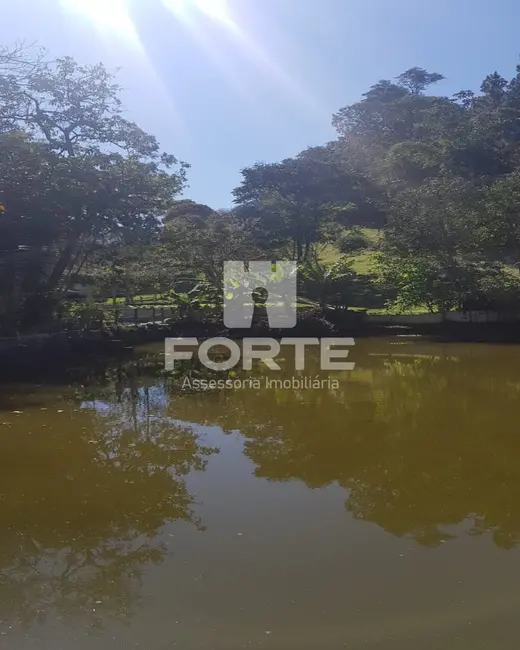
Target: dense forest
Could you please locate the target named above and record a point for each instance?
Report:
(415, 205)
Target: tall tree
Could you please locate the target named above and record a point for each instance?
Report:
(295, 199)
(96, 175)
(198, 240)
(416, 80)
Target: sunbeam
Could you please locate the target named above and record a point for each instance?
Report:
(112, 18)
(220, 12)
(105, 15)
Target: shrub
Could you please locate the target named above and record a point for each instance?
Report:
(353, 240)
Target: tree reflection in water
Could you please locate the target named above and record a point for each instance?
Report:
(85, 490)
(422, 440)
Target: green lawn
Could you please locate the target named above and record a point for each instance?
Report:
(149, 297)
(363, 262)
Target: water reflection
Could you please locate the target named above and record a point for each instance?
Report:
(85, 486)
(421, 438)
(326, 514)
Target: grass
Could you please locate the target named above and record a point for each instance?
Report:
(147, 297)
(330, 254)
(394, 311)
(363, 261)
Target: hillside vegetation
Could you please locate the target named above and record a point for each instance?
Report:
(415, 204)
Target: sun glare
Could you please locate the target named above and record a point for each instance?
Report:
(113, 15)
(109, 15)
(112, 18)
(218, 10)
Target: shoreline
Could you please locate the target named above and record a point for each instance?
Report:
(57, 351)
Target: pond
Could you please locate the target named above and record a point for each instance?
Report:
(381, 510)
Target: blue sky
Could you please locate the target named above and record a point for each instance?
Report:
(261, 80)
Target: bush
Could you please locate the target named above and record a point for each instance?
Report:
(79, 315)
(353, 240)
(445, 284)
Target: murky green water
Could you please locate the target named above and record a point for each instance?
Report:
(381, 514)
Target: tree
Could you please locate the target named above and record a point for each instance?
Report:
(416, 80)
(198, 240)
(500, 217)
(296, 198)
(448, 169)
(95, 176)
(188, 210)
(391, 113)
